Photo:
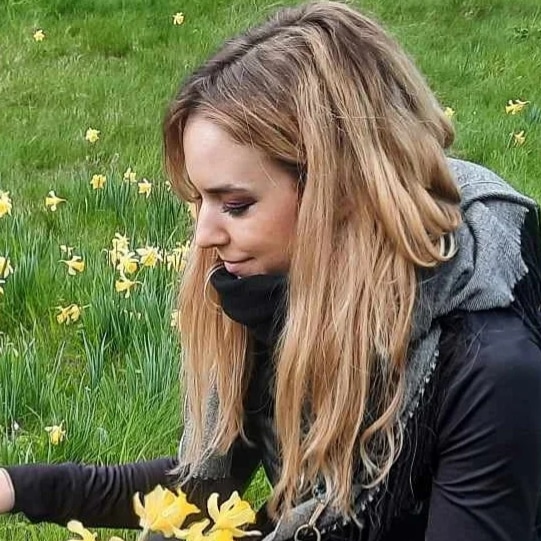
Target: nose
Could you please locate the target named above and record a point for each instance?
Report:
(209, 231)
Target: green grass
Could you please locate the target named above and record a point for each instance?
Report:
(113, 65)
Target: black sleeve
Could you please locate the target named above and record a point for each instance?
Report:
(488, 476)
(96, 495)
(102, 496)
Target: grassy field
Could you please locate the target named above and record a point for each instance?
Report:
(110, 377)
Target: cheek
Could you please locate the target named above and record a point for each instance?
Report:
(280, 227)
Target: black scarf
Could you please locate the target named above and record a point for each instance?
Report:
(257, 301)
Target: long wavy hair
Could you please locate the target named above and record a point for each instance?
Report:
(327, 93)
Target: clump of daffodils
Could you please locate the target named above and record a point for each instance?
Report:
(129, 262)
(164, 511)
(124, 261)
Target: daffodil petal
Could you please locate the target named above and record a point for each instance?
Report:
(222, 535)
(77, 527)
(212, 506)
(138, 507)
(236, 532)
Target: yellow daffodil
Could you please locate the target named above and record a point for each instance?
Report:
(129, 176)
(124, 285)
(5, 267)
(121, 246)
(448, 112)
(149, 256)
(144, 187)
(5, 204)
(178, 18)
(65, 249)
(74, 526)
(92, 135)
(63, 316)
(98, 182)
(167, 185)
(121, 243)
(126, 263)
(52, 201)
(515, 106)
(176, 260)
(39, 35)
(56, 434)
(163, 511)
(231, 515)
(519, 138)
(2, 283)
(75, 265)
(68, 314)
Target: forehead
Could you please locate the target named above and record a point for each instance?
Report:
(212, 157)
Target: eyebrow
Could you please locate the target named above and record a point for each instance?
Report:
(226, 188)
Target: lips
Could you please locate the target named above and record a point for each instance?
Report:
(234, 267)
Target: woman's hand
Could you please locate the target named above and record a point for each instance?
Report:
(7, 494)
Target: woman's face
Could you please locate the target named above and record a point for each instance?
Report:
(248, 203)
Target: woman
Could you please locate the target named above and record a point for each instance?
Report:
(360, 313)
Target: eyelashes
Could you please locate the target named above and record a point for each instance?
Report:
(236, 210)
(233, 209)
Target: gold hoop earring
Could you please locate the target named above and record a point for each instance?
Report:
(206, 296)
(448, 245)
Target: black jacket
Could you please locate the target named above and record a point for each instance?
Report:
(481, 482)
(470, 468)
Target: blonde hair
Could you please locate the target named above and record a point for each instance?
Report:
(325, 92)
